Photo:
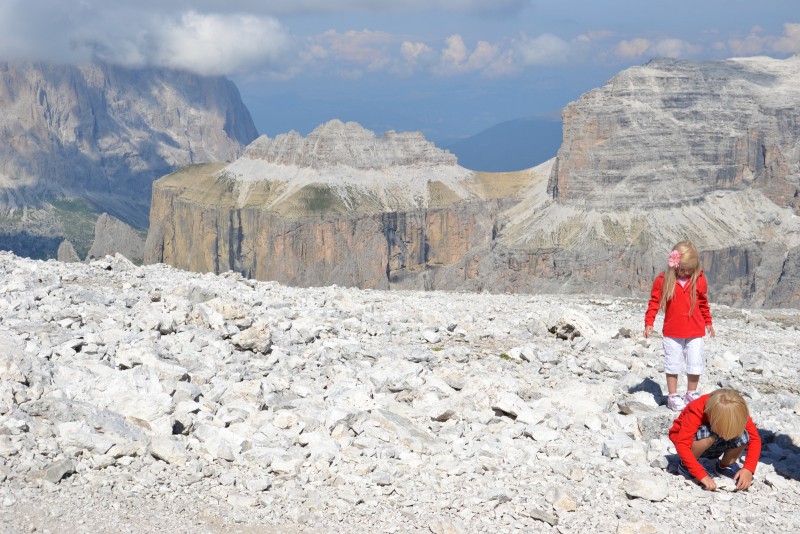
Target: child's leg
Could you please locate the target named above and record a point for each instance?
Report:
(691, 382)
(673, 362)
(695, 364)
(730, 456)
(672, 384)
(700, 446)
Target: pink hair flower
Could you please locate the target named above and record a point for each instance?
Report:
(674, 261)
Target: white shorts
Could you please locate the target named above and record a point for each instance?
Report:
(680, 352)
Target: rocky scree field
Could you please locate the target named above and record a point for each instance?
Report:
(147, 399)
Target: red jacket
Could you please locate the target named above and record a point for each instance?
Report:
(685, 427)
(677, 321)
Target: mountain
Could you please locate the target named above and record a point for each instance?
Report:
(509, 146)
(668, 151)
(79, 140)
(340, 206)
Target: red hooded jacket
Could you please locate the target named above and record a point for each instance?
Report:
(685, 427)
(677, 321)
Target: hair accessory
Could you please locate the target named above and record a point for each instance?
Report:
(674, 261)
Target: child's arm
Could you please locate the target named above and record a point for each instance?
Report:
(652, 306)
(744, 476)
(682, 435)
(702, 304)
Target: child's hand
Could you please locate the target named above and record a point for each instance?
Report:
(710, 330)
(708, 483)
(743, 478)
(647, 331)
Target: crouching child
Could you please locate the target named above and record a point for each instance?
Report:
(714, 425)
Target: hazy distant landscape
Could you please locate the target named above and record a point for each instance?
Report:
(509, 146)
(304, 266)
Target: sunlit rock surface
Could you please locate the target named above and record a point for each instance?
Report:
(149, 399)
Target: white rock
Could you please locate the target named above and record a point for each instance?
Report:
(168, 449)
(646, 487)
(619, 441)
(639, 402)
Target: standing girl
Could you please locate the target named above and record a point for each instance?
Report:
(680, 291)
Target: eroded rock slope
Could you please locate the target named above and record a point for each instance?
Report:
(101, 134)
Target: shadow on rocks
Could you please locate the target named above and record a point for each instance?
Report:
(779, 451)
(649, 385)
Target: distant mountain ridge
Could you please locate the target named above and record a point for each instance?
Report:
(340, 206)
(509, 146)
(668, 151)
(96, 136)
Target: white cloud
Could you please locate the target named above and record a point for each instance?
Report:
(546, 49)
(754, 43)
(634, 48)
(757, 42)
(503, 65)
(457, 59)
(295, 7)
(483, 55)
(594, 36)
(789, 42)
(455, 53)
(673, 48)
(117, 32)
(413, 52)
(218, 44)
(363, 49)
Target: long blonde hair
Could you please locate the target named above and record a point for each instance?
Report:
(689, 261)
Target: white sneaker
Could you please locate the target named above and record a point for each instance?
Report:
(675, 402)
(691, 396)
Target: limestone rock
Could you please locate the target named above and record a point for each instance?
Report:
(646, 487)
(81, 139)
(112, 236)
(612, 186)
(169, 450)
(55, 471)
(343, 206)
(66, 253)
(394, 209)
(356, 425)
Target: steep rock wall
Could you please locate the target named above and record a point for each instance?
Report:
(102, 134)
(371, 250)
(662, 153)
(671, 132)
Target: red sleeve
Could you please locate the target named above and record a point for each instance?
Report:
(655, 301)
(702, 299)
(682, 435)
(753, 448)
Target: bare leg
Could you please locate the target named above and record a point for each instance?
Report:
(691, 382)
(672, 383)
(731, 455)
(701, 445)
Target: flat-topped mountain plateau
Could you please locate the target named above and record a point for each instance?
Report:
(672, 150)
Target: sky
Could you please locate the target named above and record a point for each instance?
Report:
(447, 68)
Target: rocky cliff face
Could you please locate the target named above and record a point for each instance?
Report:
(671, 132)
(103, 134)
(340, 206)
(661, 153)
(664, 152)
